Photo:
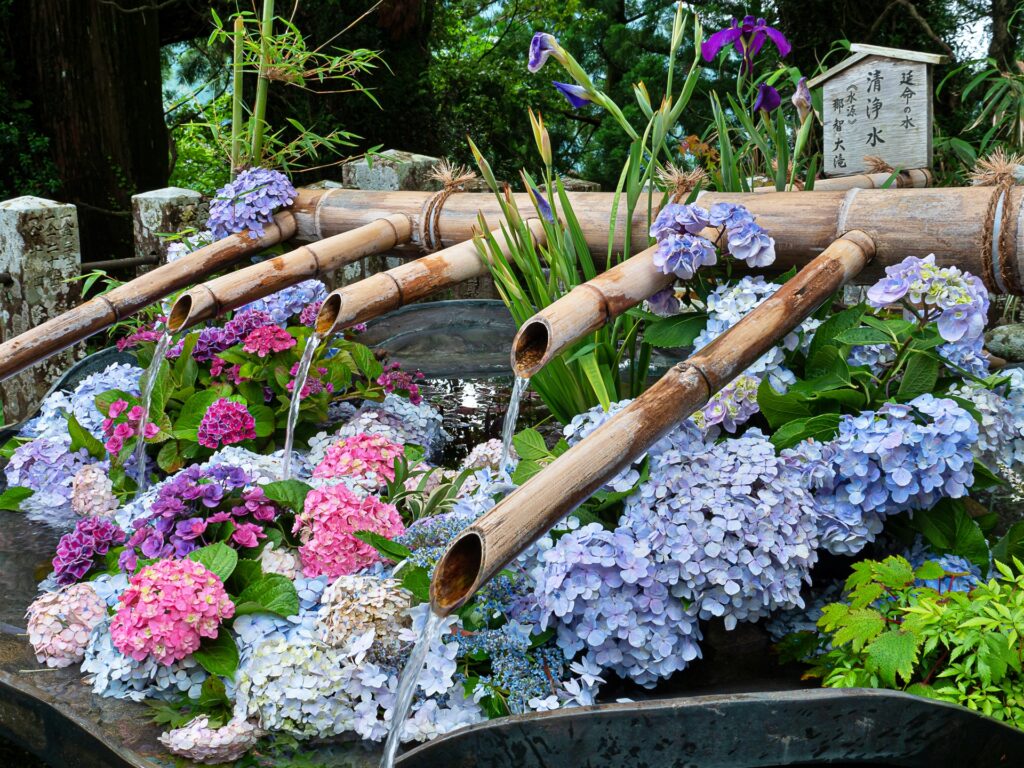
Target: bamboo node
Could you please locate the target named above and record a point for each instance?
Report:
(453, 178)
(679, 182)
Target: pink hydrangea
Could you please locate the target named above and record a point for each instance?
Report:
(331, 515)
(59, 624)
(368, 460)
(167, 609)
(267, 340)
(393, 379)
(314, 385)
(226, 422)
(309, 314)
(118, 430)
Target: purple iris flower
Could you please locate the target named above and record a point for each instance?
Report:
(576, 95)
(767, 99)
(802, 100)
(541, 46)
(747, 38)
(542, 205)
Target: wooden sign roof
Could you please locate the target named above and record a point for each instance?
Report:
(861, 51)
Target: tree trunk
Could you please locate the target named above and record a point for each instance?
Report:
(1003, 47)
(93, 69)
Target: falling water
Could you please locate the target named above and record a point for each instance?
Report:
(407, 686)
(293, 406)
(511, 416)
(146, 397)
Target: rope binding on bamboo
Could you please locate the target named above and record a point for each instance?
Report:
(453, 178)
(1003, 172)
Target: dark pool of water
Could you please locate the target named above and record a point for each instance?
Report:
(15, 757)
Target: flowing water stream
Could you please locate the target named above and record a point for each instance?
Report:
(146, 397)
(296, 402)
(407, 687)
(511, 417)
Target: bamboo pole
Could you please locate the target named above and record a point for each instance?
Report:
(588, 307)
(498, 537)
(103, 311)
(954, 223)
(916, 178)
(308, 261)
(387, 291)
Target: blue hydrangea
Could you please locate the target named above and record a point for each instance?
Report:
(961, 574)
(47, 466)
(606, 596)
(52, 422)
(966, 353)
(289, 302)
(396, 417)
(730, 526)
(683, 255)
(249, 202)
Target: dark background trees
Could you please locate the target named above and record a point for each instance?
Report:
(82, 116)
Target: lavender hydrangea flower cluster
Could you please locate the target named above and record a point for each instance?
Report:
(682, 250)
(289, 302)
(605, 595)
(81, 402)
(249, 202)
(901, 457)
(731, 407)
(961, 574)
(209, 342)
(957, 301)
(186, 244)
(735, 533)
(47, 466)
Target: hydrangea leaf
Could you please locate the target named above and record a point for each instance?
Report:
(264, 418)
(1010, 546)
(218, 656)
(892, 654)
(171, 457)
(780, 409)
(104, 399)
(530, 445)
(676, 331)
(524, 470)
(219, 559)
(187, 424)
(288, 493)
(948, 528)
(863, 337)
(392, 550)
(839, 322)
(821, 428)
(367, 363)
(11, 499)
(271, 593)
(82, 438)
(920, 376)
(417, 581)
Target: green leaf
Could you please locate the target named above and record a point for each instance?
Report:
(288, 493)
(82, 438)
(984, 477)
(863, 336)
(839, 322)
(264, 417)
(364, 358)
(859, 626)
(1011, 545)
(530, 445)
(246, 572)
(930, 570)
(821, 428)
(524, 470)
(780, 409)
(187, 424)
(171, 457)
(592, 369)
(11, 499)
(219, 558)
(218, 656)
(829, 365)
(925, 690)
(271, 593)
(417, 581)
(893, 572)
(390, 549)
(104, 399)
(675, 331)
(892, 654)
(949, 528)
(919, 377)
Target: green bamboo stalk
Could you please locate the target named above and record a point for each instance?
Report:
(260, 106)
(238, 66)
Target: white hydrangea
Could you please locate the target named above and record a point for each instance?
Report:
(199, 742)
(354, 605)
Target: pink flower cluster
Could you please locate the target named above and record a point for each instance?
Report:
(145, 334)
(220, 367)
(396, 380)
(308, 315)
(331, 515)
(118, 430)
(313, 385)
(59, 623)
(226, 423)
(369, 460)
(168, 608)
(268, 339)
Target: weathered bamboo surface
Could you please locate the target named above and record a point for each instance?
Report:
(304, 263)
(527, 513)
(950, 222)
(912, 178)
(103, 311)
(414, 280)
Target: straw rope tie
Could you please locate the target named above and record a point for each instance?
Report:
(998, 171)
(452, 178)
(680, 183)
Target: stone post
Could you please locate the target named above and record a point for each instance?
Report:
(160, 212)
(40, 259)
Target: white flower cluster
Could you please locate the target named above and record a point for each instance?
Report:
(92, 493)
(356, 605)
(199, 742)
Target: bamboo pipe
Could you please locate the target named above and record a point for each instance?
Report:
(308, 261)
(103, 311)
(951, 222)
(913, 178)
(498, 537)
(588, 307)
(387, 291)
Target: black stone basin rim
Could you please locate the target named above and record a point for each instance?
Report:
(817, 727)
(57, 736)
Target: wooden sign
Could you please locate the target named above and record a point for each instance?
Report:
(877, 103)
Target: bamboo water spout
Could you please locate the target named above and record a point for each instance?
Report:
(103, 311)
(387, 291)
(498, 537)
(308, 261)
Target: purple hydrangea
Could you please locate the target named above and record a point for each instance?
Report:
(47, 467)
(679, 219)
(731, 407)
(77, 551)
(209, 342)
(249, 202)
(226, 422)
(732, 529)
(288, 302)
(683, 255)
(957, 301)
(606, 595)
(245, 322)
(749, 243)
(664, 303)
